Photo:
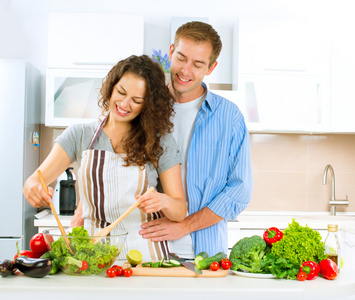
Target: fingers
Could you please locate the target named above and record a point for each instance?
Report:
(38, 197)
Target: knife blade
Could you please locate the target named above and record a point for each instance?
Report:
(187, 264)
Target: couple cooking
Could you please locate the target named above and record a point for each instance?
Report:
(191, 143)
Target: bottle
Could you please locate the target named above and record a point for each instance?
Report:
(332, 245)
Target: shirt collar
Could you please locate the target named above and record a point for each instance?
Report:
(209, 102)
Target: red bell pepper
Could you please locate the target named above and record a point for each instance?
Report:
(328, 269)
(27, 253)
(311, 268)
(272, 235)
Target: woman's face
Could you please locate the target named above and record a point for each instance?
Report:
(127, 98)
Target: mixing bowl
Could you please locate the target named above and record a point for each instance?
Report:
(87, 258)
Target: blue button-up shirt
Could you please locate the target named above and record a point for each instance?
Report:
(219, 174)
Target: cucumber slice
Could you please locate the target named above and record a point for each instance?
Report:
(200, 256)
(167, 265)
(175, 263)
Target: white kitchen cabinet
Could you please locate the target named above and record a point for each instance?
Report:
(283, 79)
(81, 40)
(343, 78)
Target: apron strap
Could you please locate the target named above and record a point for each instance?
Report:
(97, 132)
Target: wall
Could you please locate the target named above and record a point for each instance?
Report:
(288, 170)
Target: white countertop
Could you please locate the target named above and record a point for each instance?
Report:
(60, 286)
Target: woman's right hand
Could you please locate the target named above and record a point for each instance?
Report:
(36, 195)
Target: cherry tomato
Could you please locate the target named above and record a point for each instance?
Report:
(127, 272)
(111, 272)
(302, 276)
(226, 263)
(119, 270)
(84, 265)
(101, 265)
(214, 266)
(38, 244)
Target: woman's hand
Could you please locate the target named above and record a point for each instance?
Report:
(35, 194)
(153, 202)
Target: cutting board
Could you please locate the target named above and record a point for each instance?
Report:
(175, 272)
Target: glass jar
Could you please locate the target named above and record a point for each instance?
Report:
(332, 245)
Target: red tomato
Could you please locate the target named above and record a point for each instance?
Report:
(101, 265)
(127, 272)
(38, 244)
(84, 265)
(302, 276)
(214, 266)
(118, 269)
(111, 272)
(226, 263)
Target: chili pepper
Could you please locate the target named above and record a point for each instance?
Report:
(328, 269)
(311, 268)
(272, 235)
(33, 267)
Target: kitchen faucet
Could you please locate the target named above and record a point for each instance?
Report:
(333, 202)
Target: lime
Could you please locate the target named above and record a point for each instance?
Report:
(134, 257)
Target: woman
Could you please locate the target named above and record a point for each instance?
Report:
(120, 157)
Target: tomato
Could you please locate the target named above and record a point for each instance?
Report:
(84, 265)
(214, 266)
(119, 270)
(127, 272)
(101, 265)
(38, 244)
(302, 276)
(226, 263)
(111, 272)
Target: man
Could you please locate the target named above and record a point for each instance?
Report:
(214, 142)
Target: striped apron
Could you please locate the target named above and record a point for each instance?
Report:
(107, 189)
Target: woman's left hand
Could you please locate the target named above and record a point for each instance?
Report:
(152, 202)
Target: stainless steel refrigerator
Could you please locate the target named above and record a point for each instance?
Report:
(19, 157)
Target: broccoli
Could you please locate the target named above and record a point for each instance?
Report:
(248, 253)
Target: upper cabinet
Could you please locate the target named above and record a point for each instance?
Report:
(79, 40)
(283, 77)
(343, 77)
(82, 48)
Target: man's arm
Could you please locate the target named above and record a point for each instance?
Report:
(164, 229)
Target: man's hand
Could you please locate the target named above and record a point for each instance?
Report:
(163, 229)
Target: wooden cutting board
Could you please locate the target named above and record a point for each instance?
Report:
(175, 272)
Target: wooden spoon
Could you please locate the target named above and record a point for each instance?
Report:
(105, 231)
(61, 228)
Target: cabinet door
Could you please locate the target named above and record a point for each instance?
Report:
(343, 78)
(80, 39)
(284, 75)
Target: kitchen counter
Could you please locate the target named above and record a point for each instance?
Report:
(60, 286)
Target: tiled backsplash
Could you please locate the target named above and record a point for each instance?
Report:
(288, 170)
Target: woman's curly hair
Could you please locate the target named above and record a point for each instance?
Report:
(142, 142)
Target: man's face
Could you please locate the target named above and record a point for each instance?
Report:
(190, 62)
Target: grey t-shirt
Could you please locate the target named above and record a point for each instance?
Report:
(76, 139)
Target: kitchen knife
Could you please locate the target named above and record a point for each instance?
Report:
(187, 264)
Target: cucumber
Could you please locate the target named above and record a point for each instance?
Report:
(205, 263)
(200, 256)
(175, 263)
